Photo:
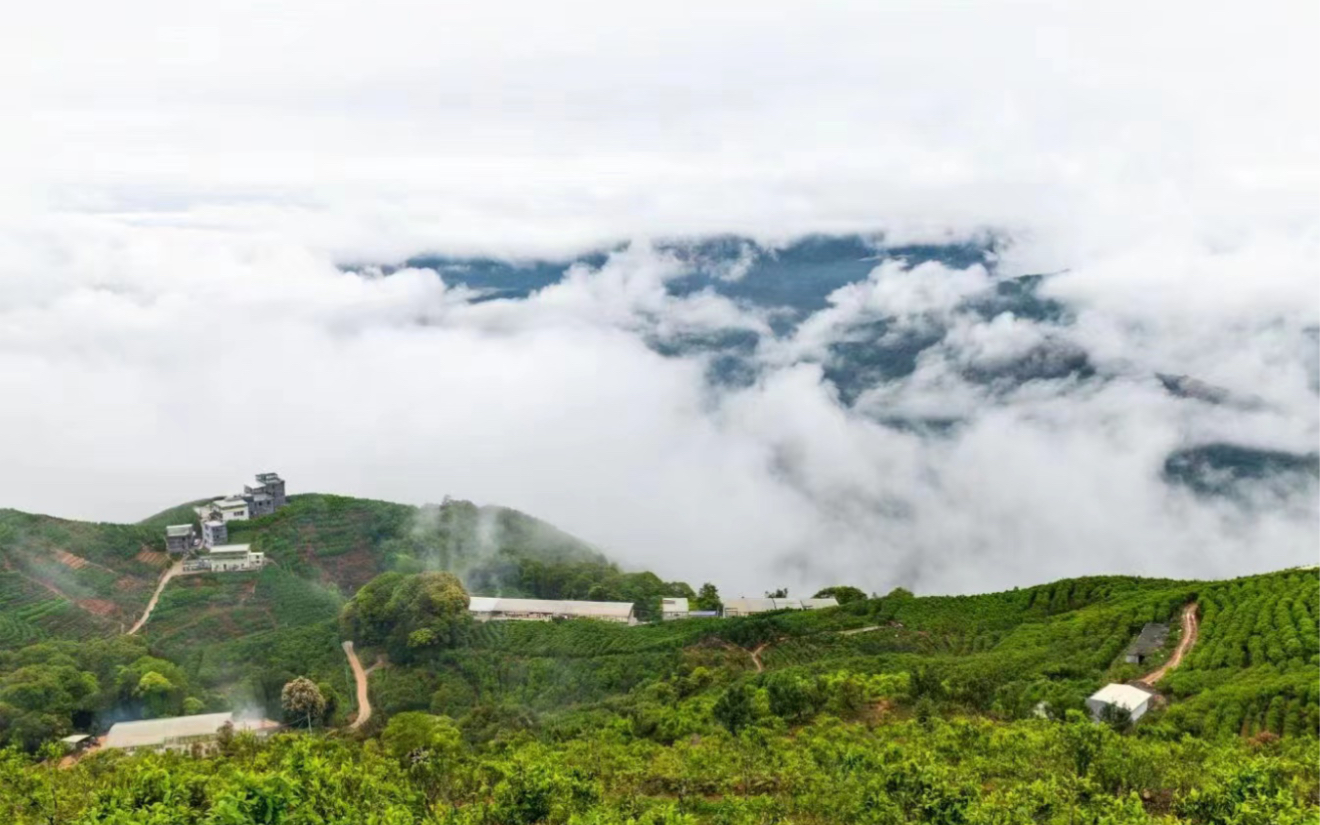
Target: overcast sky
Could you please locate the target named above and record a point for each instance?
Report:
(183, 181)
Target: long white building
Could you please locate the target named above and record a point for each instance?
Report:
(496, 608)
(748, 607)
(178, 733)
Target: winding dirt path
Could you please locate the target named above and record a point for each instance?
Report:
(175, 569)
(360, 677)
(1190, 626)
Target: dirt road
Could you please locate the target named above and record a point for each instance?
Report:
(1189, 630)
(175, 569)
(360, 677)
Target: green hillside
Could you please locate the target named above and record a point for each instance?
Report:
(893, 709)
(62, 579)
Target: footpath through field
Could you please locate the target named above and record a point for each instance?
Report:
(359, 676)
(1189, 630)
(175, 569)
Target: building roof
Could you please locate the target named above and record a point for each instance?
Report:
(266, 478)
(1150, 639)
(674, 605)
(75, 738)
(155, 732)
(230, 502)
(179, 530)
(766, 605)
(1128, 697)
(231, 549)
(552, 607)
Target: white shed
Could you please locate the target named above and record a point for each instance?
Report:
(1136, 701)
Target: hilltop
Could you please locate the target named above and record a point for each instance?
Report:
(64, 579)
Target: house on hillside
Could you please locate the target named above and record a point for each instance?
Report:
(1134, 699)
(750, 607)
(181, 733)
(1150, 640)
(676, 608)
(256, 500)
(494, 608)
(180, 538)
(226, 558)
(214, 532)
(78, 742)
(270, 484)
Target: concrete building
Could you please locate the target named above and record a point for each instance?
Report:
(272, 485)
(180, 538)
(231, 508)
(489, 608)
(214, 532)
(180, 733)
(749, 607)
(1135, 700)
(259, 504)
(226, 558)
(1150, 640)
(674, 609)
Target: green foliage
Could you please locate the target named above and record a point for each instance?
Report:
(408, 614)
(842, 593)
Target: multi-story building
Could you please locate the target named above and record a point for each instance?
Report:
(180, 538)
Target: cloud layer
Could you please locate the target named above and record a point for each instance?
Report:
(187, 186)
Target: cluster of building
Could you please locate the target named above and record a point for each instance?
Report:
(494, 608)
(209, 550)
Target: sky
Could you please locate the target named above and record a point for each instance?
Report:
(194, 194)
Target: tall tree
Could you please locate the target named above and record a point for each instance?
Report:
(708, 598)
(301, 698)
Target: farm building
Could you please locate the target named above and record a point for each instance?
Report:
(178, 733)
(1135, 700)
(180, 538)
(1150, 640)
(748, 607)
(493, 608)
(226, 558)
(78, 742)
(674, 609)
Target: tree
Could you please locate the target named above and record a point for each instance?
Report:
(733, 709)
(841, 592)
(708, 598)
(781, 593)
(301, 698)
(409, 614)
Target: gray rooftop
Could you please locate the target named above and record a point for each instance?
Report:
(179, 530)
(1150, 639)
(157, 732)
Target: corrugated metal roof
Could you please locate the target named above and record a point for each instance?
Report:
(179, 530)
(228, 549)
(75, 738)
(147, 733)
(550, 607)
(1127, 697)
(766, 605)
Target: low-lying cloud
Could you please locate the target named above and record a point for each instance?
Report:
(198, 209)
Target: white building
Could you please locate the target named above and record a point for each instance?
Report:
(748, 607)
(179, 733)
(226, 558)
(493, 608)
(231, 508)
(675, 608)
(214, 532)
(1135, 700)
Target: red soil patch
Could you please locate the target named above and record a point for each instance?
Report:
(98, 607)
(70, 560)
(128, 583)
(349, 570)
(154, 558)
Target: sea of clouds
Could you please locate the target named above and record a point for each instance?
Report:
(199, 198)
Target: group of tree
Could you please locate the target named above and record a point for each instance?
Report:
(408, 615)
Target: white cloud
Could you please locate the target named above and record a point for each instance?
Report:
(183, 178)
